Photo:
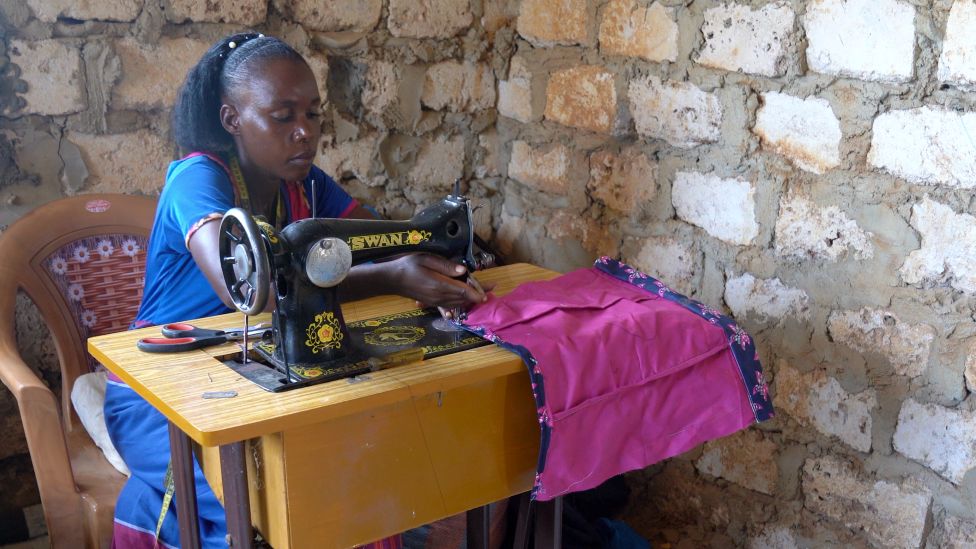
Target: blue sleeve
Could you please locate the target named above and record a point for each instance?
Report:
(331, 200)
(196, 190)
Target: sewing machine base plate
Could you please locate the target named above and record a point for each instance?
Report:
(374, 340)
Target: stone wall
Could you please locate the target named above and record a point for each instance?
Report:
(805, 164)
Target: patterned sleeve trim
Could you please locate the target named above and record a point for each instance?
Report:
(196, 226)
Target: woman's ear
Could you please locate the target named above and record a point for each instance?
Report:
(230, 119)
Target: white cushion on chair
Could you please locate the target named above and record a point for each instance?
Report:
(88, 398)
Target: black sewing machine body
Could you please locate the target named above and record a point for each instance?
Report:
(304, 265)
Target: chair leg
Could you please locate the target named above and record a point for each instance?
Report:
(549, 524)
(522, 521)
(477, 528)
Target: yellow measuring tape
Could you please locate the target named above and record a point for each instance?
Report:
(170, 486)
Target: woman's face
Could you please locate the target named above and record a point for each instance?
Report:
(275, 119)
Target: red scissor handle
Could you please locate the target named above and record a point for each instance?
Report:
(177, 344)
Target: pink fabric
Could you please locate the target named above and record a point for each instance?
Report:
(627, 377)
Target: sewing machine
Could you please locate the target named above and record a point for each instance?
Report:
(304, 265)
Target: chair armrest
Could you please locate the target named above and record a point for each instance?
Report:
(48, 449)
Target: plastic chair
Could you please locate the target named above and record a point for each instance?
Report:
(82, 261)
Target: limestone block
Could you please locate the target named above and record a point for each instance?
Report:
(459, 87)
(545, 169)
(738, 38)
(515, 94)
(243, 12)
(439, 163)
(152, 72)
(725, 208)
(54, 76)
(970, 373)
(948, 252)
(631, 30)
(319, 64)
(352, 158)
(381, 86)
(669, 260)
(803, 130)
(766, 299)
(892, 515)
(623, 182)
(553, 22)
(906, 346)
(957, 64)
(429, 18)
(333, 15)
(511, 229)
(677, 112)
(807, 231)
(490, 165)
(954, 533)
(592, 235)
(774, 537)
(814, 399)
(926, 145)
(582, 97)
(943, 439)
(133, 162)
(49, 11)
(746, 459)
(866, 39)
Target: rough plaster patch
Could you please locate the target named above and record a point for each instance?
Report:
(866, 39)
(515, 94)
(510, 230)
(334, 15)
(942, 439)
(152, 73)
(459, 87)
(429, 18)
(353, 158)
(957, 64)
(803, 130)
(906, 346)
(766, 299)
(490, 163)
(669, 260)
(49, 11)
(817, 400)
(624, 182)
(806, 231)
(677, 112)
(550, 22)
(544, 169)
(582, 97)
(634, 31)
(892, 515)
(244, 12)
(926, 145)
(725, 208)
(948, 252)
(737, 38)
(132, 162)
(746, 459)
(439, 163)
(54, 76)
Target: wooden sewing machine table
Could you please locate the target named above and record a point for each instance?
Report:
(340, 463)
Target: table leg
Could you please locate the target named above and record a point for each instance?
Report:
(186, 491)
(477, 529)
(522, 521)
(549, 524)
(237, 502)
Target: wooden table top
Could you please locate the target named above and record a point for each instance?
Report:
(174, 382)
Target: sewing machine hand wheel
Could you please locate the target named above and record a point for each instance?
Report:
(244, 261)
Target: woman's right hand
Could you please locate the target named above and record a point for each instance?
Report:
(434, 280)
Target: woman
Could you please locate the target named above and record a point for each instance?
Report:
(248, 119)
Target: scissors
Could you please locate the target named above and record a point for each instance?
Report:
(179, 337)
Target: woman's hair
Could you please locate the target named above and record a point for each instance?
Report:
(225, 66)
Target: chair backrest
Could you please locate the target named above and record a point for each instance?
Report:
(82, 261)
